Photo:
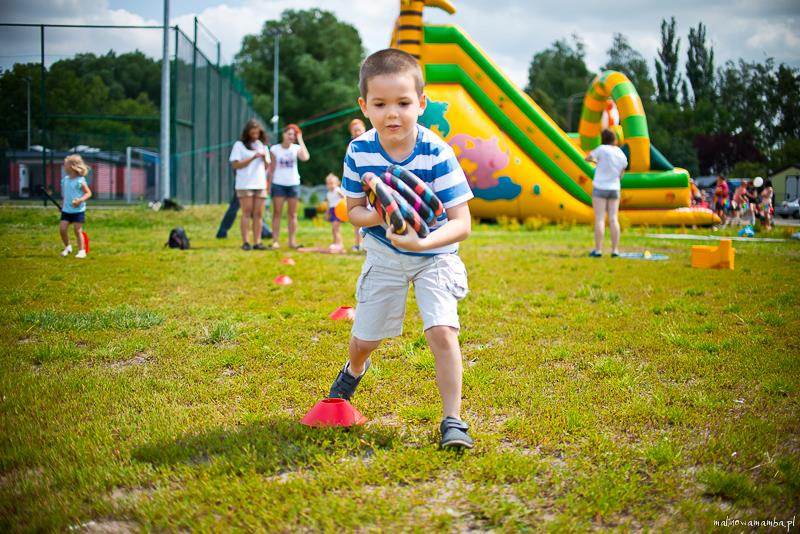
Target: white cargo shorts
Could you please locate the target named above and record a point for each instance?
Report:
(439, 283)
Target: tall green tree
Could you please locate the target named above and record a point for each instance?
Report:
(319, 63)
(668, 78)
(700, 64)
(624, 58)
(786, 99)
(558, 77)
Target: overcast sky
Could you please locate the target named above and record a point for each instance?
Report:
(510, 31)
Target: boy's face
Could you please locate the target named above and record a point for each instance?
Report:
(393, 106)
(330, 182)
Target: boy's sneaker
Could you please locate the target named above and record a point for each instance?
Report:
(81, 254)
(345, 384)
(595, 254)
(67, 251)
(246, 246)
(455, 434)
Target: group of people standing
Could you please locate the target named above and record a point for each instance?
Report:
(258, 171)
(274, 171)
(751, 200)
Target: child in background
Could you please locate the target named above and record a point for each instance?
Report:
(739, 203)
(357, 127)
(392, 97)
(721, 193)
(766, 205)
(333, 197)
(75, 192)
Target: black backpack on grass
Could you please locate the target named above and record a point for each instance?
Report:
(177, 239)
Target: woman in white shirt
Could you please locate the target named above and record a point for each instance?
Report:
(611, 164)
(284, 181)
(249, 157)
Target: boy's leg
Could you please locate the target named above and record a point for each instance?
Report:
(63, 229)
(359, 354)
(443, 341)
(438, 287)
(381, 292)
(353, 371)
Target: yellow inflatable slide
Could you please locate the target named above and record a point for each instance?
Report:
(519, 162)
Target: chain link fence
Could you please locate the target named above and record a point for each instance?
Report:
(113, 120)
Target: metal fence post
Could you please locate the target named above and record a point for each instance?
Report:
(43, 125)
(173, 178)
(208, 132)
(229, 170)
(194, 91)
(221, 153)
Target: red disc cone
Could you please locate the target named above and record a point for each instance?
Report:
(287, 261)
(282, 280)
(333, 412)
(343, 313)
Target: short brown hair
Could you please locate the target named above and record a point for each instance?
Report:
(608, 137)
(390, 61)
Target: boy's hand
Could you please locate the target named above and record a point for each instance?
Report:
(76, 202)
(409, 241)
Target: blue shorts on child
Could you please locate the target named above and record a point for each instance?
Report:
(332, 215)
(77, 217)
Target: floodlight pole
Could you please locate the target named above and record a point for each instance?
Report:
(275, 85)
(164, 153)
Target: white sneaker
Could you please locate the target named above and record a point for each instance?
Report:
(81, 254)
(67, 251)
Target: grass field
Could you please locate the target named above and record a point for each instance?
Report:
(149, 388)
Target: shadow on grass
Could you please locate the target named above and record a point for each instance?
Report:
(271, 446)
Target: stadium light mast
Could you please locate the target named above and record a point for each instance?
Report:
(276, 33)
(164, 154)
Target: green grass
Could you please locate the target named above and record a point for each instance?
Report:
(156, 389)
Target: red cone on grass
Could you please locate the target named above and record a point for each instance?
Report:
(282, 280)
(343, 313)
(333, 412)
(287, 261)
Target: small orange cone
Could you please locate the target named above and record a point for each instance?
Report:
(282, 280)
(287, 261)
(343, 313)
(333, 412)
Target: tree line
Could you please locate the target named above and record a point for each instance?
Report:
(740, 118)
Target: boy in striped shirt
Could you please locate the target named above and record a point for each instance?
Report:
(392, 98)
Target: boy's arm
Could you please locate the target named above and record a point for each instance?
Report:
(359, 214)
(457, 228)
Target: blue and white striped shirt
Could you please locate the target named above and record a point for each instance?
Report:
(432, 160)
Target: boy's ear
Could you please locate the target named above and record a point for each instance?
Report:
(363, 105)
(423, 103)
